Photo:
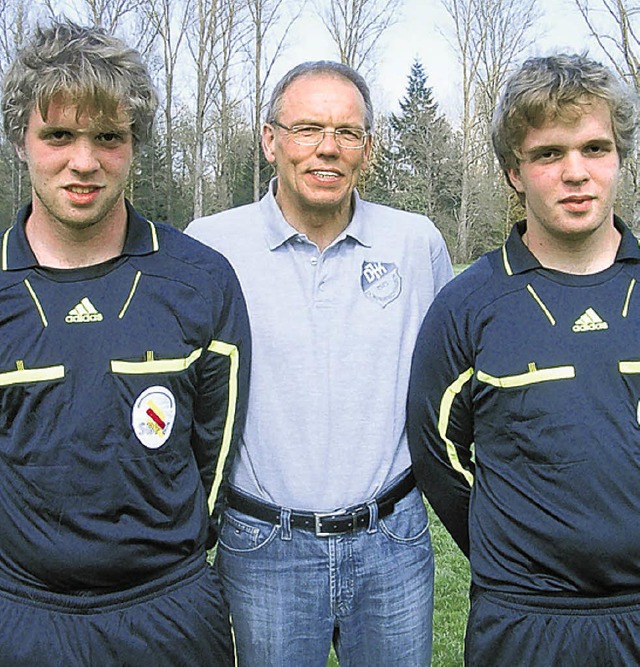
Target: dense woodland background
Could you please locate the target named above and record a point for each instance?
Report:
(214, 62)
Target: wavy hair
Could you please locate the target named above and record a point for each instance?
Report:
(86, 68)
(559, 87)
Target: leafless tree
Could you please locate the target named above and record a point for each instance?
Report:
(266, 17)
(357, 25)
(14, 26)
(614, 26)
(488, 36)
(167, 20)
(108, 14)
(215, 37)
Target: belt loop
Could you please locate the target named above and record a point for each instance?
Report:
(373, 517)
(285, 523)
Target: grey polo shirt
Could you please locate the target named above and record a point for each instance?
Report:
(333, 333)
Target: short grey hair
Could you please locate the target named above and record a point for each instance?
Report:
(87, 68)
(319, 67)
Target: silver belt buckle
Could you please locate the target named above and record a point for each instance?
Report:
(318, 518)
(338, 515)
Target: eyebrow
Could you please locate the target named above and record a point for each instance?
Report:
(317, 123)
(536, 149)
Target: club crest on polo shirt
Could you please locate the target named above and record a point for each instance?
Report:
(153, 416)
(380, 282)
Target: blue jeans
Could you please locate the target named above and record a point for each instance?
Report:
(291, 593)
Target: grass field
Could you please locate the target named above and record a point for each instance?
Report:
(451, 599)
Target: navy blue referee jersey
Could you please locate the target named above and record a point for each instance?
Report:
(122, 391)
(524, 421)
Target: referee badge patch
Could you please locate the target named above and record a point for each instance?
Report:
(153, 416)
(380, 282)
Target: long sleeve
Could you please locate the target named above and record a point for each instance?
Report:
(440, 420)
(222, 394)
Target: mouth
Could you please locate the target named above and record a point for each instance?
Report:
(325, 174)
(82, 189)
(577, 203)
(577, 199)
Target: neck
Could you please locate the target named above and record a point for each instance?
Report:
(62, 246)
(320, 225)
(588, 255)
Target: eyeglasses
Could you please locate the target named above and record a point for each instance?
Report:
(312, 135)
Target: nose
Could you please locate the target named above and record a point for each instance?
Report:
(328, 145)
(575, 168)
(84, 158)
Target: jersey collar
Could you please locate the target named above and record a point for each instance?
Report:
(517, 258)
(16, 253)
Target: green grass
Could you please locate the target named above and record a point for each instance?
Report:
(459, 268)
(451, 597)
(451, 604)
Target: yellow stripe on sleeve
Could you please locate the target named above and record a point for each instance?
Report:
(443, 421)
(231, 351)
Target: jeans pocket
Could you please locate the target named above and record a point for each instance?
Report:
(241, 533)
(408, 523)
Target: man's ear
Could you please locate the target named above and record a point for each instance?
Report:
(268, 143)
(367, 151)
(515, 180)
(20, 152)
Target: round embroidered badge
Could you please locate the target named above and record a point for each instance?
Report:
(153, 416)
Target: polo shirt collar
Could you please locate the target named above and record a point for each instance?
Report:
(16, 253)
(517, 258)
(278, 231)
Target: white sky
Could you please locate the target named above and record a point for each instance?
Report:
(419, 34)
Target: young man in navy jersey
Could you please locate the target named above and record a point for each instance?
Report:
(123, 381)
(524, 401)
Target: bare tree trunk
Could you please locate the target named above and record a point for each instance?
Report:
(14, 25)
(489, 36)
(170, 30)
(266, 15)
(257, 101)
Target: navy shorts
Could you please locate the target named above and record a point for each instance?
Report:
(552, 631)
(178, 620)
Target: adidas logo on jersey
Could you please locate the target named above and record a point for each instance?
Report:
(589, 321)
(85, 311)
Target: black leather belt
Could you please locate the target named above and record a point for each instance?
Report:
(323, 524)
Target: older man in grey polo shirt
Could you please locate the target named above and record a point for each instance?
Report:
(325, 537)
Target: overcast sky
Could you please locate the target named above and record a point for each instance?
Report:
(419, 34)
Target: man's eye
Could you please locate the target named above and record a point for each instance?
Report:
(546, 155)
(110, 137)
(57, 136)
(350, 134)
(307, 130)
(595, 149)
